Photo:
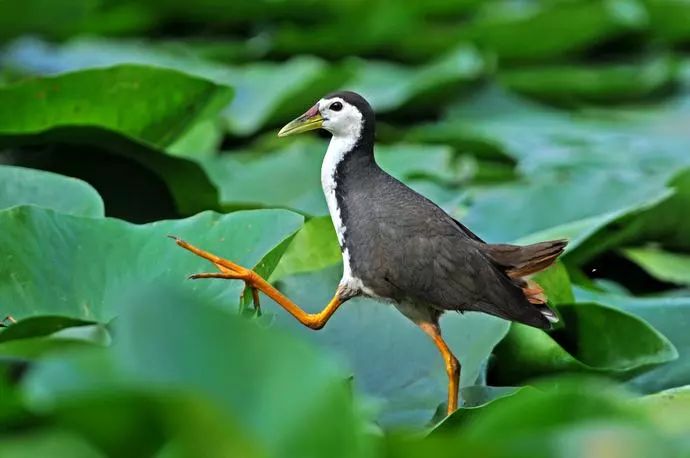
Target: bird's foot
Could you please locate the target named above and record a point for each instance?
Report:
(228, 271)
(244, 276)
(7, 321)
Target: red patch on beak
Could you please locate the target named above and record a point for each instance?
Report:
(313, 111)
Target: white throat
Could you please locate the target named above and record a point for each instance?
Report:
(338, 148)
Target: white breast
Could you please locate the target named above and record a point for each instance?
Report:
(337, 149)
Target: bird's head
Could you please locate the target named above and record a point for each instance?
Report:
(343, 114)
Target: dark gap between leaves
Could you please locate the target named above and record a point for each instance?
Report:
(619, 269)
(129, 190)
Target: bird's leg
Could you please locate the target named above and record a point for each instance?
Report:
(452, 363)
(231, 271)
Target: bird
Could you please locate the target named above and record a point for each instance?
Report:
(397, 246)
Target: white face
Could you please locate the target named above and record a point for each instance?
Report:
(340, 118)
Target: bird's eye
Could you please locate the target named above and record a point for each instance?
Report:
(336, 106)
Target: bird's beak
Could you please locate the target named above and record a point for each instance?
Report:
(308, 121)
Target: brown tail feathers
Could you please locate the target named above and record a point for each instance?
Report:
(520, 261)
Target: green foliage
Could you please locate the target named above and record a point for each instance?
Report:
(79, 267)
(666, 266)
(150, 105)
(20, 186)
(611, 83)
(593, 339)
(669, 315)
(549, 30)
(122, 122)
(131, 110)
(564, 417)
(161, 351)
(392, 87)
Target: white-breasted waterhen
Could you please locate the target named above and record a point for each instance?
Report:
(399, 246)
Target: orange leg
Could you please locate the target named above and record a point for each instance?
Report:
(452, 363)
(231, 271)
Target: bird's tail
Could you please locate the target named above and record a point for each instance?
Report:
(520, 261)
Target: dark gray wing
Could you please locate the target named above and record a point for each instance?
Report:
(425, 255)
(451, 272)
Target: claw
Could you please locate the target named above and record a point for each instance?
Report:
(197, 276)
(255, 300)
(178, 240)
(225, 276)
(254, 297)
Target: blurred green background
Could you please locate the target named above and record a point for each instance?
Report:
(124, 121)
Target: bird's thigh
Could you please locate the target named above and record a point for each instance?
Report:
(418, 313)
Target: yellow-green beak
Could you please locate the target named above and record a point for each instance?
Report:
(308, 121)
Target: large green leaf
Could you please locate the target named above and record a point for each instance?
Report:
(473, 400)
(150, 105)
(290, 399)
(397, 29)
(39, 326)
(130, 110)
(666, 223)
(55, 443)
(583, 234)
(407, 161)
(561, 418)
(270, 94)
(517, 32)
(390, 87)
(20, 186)
(549, 141)
(35, 337)
(546, 208)
(664, 265)
(63, 19)
(156, 423)
(390, 357)
(669, 409)
(594, 338)
(294, 174)
(505, 410)
(572, 84)
(79, 267)
(266, 94)
(668, 20)
(668, 315)
(314, 247)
